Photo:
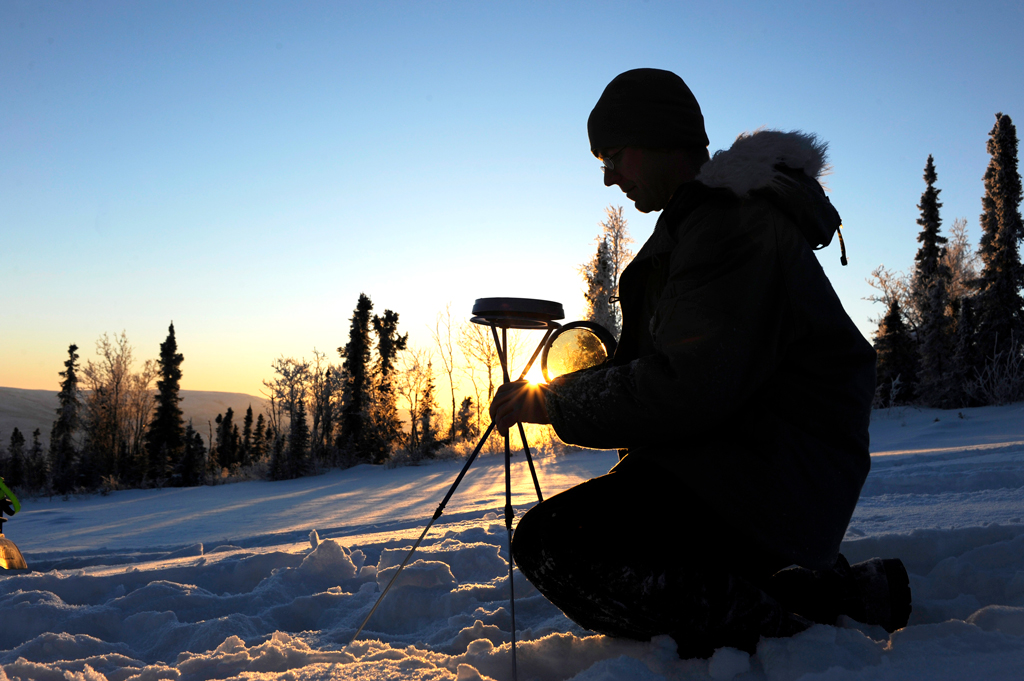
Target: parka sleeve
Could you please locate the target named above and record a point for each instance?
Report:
(720, 329)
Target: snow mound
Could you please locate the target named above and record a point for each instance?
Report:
(286, 605)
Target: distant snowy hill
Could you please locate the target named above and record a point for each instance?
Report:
(261, 580)
(27, 410)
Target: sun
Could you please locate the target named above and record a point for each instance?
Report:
(535, 376)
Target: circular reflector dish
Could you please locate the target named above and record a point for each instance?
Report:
(574, 347)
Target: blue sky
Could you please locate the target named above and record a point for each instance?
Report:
(247, 169)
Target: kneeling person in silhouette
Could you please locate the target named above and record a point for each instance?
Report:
(739, 397)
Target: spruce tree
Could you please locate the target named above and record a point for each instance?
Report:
(356, 384)
(897, 355)
(427, 410)
(189, 472)
(246, 443)
(936, 344)
(932, 244)
(212, 465)
(298, 444)
(999, 306)
(165, 439)
(63, 453)
(35, 464)
(964, 353)
(14, 467)
(259, 442)
(387, 424)
(227, 439)
(236, 446)
(278, 463)
(465, 429)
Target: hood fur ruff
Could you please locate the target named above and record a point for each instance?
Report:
(750, 163)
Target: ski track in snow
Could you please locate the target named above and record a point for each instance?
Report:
(230, 582)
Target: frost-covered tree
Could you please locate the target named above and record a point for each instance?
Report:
(63, 449)
(165, 437)
(616, 232)
(599, 276)
(962, 260)
(999, 305)
(891, 286)
(897, 354)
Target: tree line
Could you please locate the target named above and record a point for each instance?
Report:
(379, 402)
(952, 334)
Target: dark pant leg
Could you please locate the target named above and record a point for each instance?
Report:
(630, 554)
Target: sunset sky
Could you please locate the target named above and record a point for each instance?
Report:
(246, 169)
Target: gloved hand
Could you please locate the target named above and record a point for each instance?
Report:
(520, 401)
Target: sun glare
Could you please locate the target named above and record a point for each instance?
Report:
(535, 375)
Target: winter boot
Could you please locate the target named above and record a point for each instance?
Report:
(730, 611)
(881, 593)
(875, 591)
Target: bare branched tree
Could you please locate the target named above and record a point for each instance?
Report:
(415, 370)
(325, 387)
(961, 259)
(139, 405)
(118, 406)
(442, 333)
(286, 390)
(889, 286)
(481, 365)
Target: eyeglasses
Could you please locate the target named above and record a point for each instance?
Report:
(608, 162)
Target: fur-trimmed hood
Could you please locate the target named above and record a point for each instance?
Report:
(783, 167)
(753, 161)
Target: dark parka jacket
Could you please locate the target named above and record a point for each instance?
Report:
(738, 371)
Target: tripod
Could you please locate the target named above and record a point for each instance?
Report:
(504, 314)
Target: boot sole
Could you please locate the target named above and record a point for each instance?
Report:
(900, 605)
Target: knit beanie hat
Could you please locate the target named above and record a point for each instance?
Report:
(648, 108)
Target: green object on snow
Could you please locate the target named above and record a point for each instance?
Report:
(5, 491)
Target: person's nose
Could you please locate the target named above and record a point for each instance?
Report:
(610, 178)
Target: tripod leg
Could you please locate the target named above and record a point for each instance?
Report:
(529, 460)
(509, 517)
(437, 514)
(522, 433)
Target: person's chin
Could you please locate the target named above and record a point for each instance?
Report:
(642, 206)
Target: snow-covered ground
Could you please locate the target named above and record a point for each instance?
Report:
(232, 582)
